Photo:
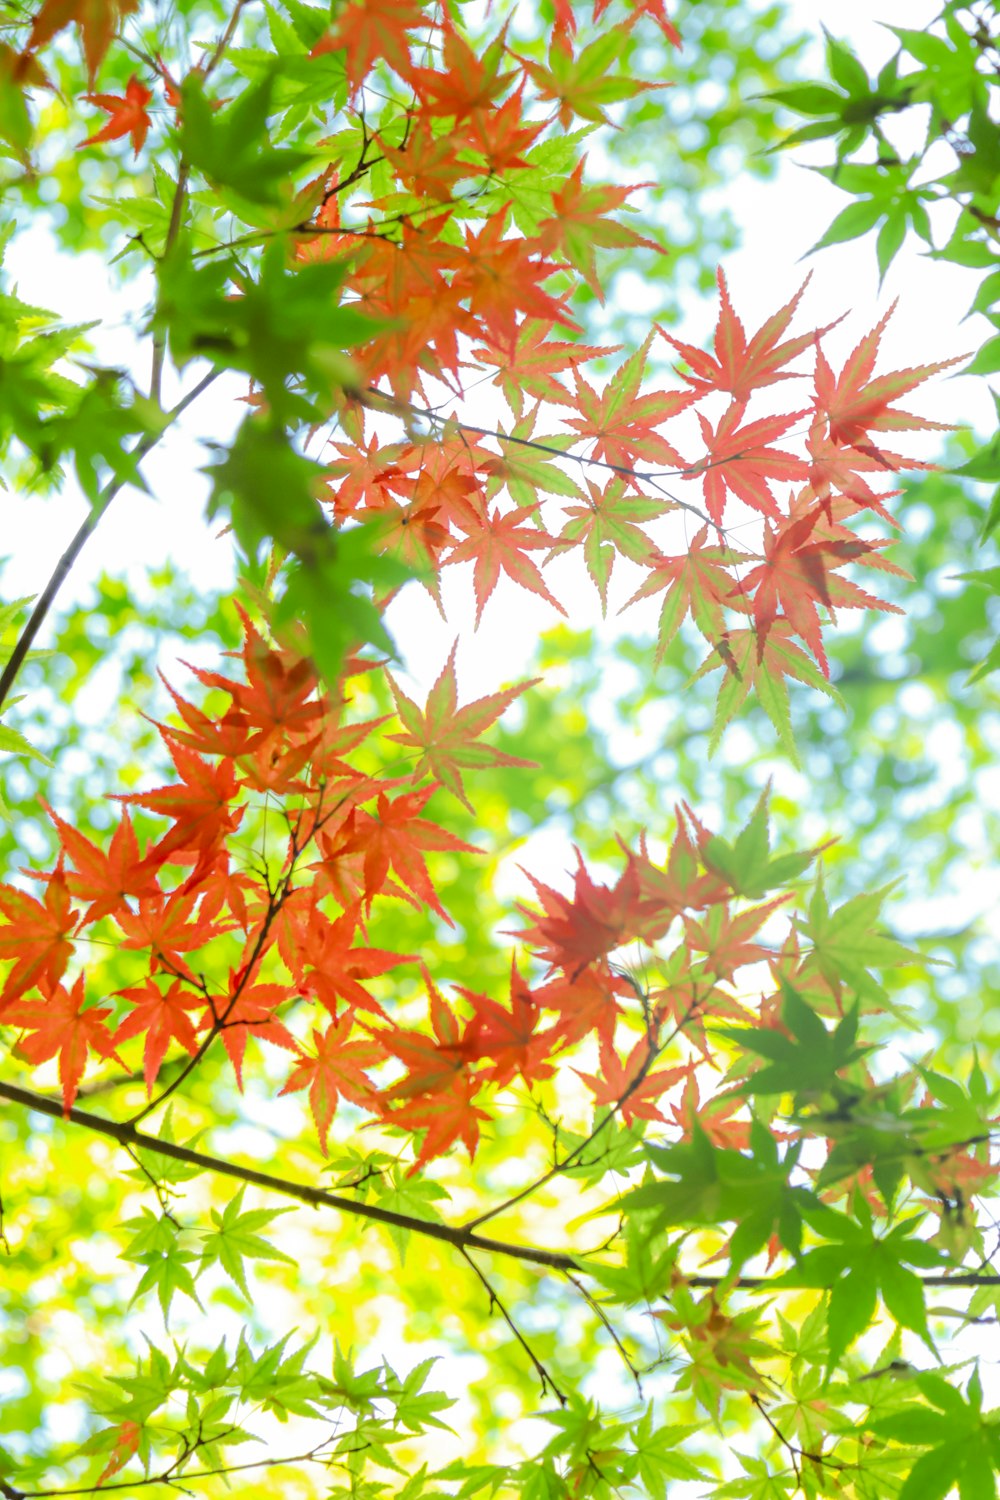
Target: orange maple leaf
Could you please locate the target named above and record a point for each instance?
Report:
(741, 366)
(97, 20)
(625, 1088)
(61, 1022)
(797, 573)
(740, 462)
(129, 115)
(164, 1018)
(104, 879)
(394, 837)
(38, 935)
(622, 421)
(368, 31)
(496, 543)
(445, 734)
(335, 1069)
(856, 405)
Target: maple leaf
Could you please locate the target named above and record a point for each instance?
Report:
(37, 937)
(609, 524)
(61, 1022)
(198, 804)
(510, 1039)
(250, 1010)
(578, 226)
(530, 366)
(724, 936)
(129, 115)
(697, 583)
(333, 1070)
(797, 574)
(471, 80)
(394, 837)
(162, 925)
(739, 366)
(740, 462)
(746, 668)
(164, 1018)
(104, 879)
(446, 1118)
(525, 464)
(435, 1063)
(655, 9)
(496, 543)
(584, 1003)
(445, 734)
(368, 31)
(97, 19)
(329, 966)
(499, 136)
(571, 932)
(583, 83)
(499, 279)
(856, 405)
(362, 477)
(628, 1088)
(427, 163)
(621, 421)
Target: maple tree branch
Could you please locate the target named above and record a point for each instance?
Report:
(558, 1167)
(172, 1477)
(460, 1236)
(548, 1384)
(86, 529)
(277, 899)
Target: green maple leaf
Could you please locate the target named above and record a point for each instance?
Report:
(235, 1239)
(963, 1442)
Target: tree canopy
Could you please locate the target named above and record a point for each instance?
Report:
(580, 1084)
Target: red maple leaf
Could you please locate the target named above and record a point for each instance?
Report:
(740, 462)
(369, 31)
(739, 366)
(167, 925)
(446, 1118)
(499, 278)
(333, 1070)
(856, 405)
(330, 966)
(129, 115)
(97, 19)
(394, 837)
(510, 1039)
(62, 1023)
(104, 879)
(250, 1010)
(470, 80)
(198, 804)
(164, 1017)
(622, 422)
(435, 1062)
(496, 543)
(571, 932)
(626, 1088)
(584, 1003)
(37, 935)
(445, 735)
(797, 574)
(500, 135)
